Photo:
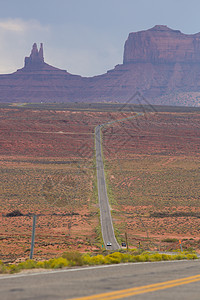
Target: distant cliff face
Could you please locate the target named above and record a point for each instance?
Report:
(161, 44)
(161, 63)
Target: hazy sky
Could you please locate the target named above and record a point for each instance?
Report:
(84, 37)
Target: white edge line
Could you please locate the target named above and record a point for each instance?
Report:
(91, 268)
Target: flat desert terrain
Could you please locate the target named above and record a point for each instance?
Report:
(47, 168)
(152, 165)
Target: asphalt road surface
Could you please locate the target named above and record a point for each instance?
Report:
(105, 215)
(160, 280)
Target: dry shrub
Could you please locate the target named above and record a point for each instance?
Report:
(75, 258)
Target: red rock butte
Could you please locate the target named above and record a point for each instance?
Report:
(161, 44)
(35, 62)
(161, 63)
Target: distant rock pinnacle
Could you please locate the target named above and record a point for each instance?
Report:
(161, 63)
(36, 59)
(35, 62)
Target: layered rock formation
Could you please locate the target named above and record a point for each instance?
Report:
(161, 44)
(161, 63)
(38, 81)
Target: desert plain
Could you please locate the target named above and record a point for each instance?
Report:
(47, 156)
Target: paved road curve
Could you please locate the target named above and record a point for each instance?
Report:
(106, 220)
(75, 283)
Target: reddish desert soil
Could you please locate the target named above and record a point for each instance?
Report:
(54, 234)
(49, 133)
(47, 169)
(152, 165)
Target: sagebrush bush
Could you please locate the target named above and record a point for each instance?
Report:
(192, 256)
(13, 269)
(94, 260)
(114, 258)
(2, 268)
(180, 256)
(40, 264)
(77, 259)
(56, 263)
(28, 264)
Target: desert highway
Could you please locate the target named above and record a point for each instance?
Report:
(105, 215)
(178, 280)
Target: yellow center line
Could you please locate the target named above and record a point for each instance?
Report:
(142, 289)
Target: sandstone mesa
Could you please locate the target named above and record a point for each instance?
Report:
(161, 63)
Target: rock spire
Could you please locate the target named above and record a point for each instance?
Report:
(36, 59)
(161, 63)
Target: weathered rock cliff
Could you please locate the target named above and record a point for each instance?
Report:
(161, 63)
(161, 44)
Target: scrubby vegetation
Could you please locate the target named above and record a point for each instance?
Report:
(152, 173)
(48, 169)
(69, 259)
